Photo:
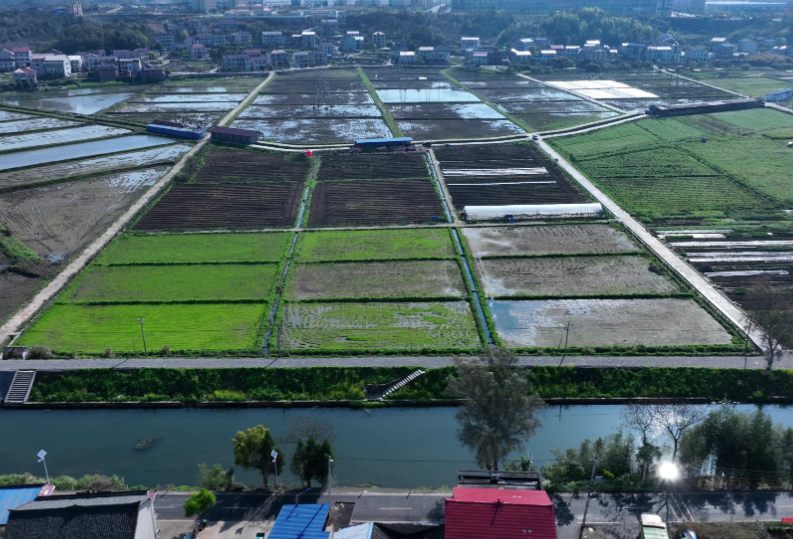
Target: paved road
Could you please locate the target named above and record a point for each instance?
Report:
(431, 362)
(16, 322)
(618, 512)
(696, 280)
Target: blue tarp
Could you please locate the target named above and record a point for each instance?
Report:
(402, 141)
(13, 497)
(301, 522)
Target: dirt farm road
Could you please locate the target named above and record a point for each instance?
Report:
(16, 322)
(429, 362)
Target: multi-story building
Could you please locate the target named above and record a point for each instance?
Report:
(480, 58)
(237, 62)
(205, 39)
(469, 43)
(7, 61)
(76, 63)
(260, 62)
(22, 56)
(633, 50)
(25, 78)
(349, 43)
(92, 61)
(571, 52)
(242, 38)
(520, 57)
(328, 27)
(663, 55)
(122, 53)
(198, 52)
(546, 55)
(593, 51)
(432, 55)
(130, 65)
(378, 40)
(407, 57)
(167, 41)
(76, 9)
(203, 6)
(51, 65)
(697, 54)
(273, 39)
(749, 46)
(219, 39)
(279, 59)
(524, 44)
(308, 39)
(328, 48)
(300, 59)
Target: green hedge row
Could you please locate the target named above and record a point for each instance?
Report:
(346, 383)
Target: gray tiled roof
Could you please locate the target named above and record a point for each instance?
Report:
(72, 501)
(75, 522)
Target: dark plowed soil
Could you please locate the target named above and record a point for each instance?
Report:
(488, 152)
(246, 166)
(225, 206)
(497, 195)
(374, 203)
(371, 167)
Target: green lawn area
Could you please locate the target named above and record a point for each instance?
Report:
(195, 248)
(751, 86)
(759, 120)
(374, 245)
(94, 328)
(173, 283)
(378, 326)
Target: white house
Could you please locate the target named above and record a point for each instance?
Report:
(22, 56)
(308, 39)
(469, 43)
(51, 65)
(572, 51)
(76, 62)
(7, 61)
(662, 55)
(378, 40)
(407, 57)
(520, 57)
(433, 55)
(524, 44)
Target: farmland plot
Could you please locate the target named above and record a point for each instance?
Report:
(321, 246)
(47, 173)
(188, 98)
(363, 203)
(406, 279)
(205, 119)
(57, 221)
(378, 326)
(453, 129)
(214, 282)
(18, 142)
(195, 248)
(173, 107)
(35, 124)
(427, 95)
(571, 276)
(247, 166)
(225, 206)
(547, 240)
(6, 116)
(311, 98)
(605, 322)
(94, 328)
(620, 138)
(317, 130)
(366, 166)
(15, 291)
(756, 120)
(473, 111)
(504, 193)
(288, 112)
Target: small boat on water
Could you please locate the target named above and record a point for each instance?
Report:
(147, 443)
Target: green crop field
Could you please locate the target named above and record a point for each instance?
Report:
(622, 137)
(94, 328)
(753, 87)
(374, 245)
(174, 283)
(759, 120)
(195, 248)
(679, 175)
(393, 279)
(378, 326)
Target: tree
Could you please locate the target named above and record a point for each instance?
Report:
(772, 314)
(198, 503)
(614, 455)
(310, 461)
(641, 418)
(675, 419)
(252, 449)
(499, 411)
(215, 478)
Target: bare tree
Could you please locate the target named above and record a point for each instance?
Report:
(772, 313)
(675, 419)
(642, 419)
(500, 411)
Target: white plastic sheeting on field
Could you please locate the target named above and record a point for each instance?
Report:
(531, 211)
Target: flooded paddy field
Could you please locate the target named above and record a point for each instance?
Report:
(205, 119)
(605, 322)
(453, 129)
(572, 276)
(356, 98)
(84, 101)
(378, 326)
(34, 124)
(78, 150)
(547, 240)
(427, 95)
(48, 173)
(316, 130)
(6, 116)
(57, 221)
(176, 106)
(404, 75)
(194, 98)
(474, 111)
(332, 80)
(59, 136)
(287, 112)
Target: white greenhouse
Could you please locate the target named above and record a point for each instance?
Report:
(531, 211)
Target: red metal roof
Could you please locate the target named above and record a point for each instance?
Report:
(498, 513)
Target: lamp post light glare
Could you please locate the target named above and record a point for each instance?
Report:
(668, 472)
(41, 454)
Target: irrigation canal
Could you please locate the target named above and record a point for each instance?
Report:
(395, 447)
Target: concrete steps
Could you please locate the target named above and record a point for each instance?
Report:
(20, 387)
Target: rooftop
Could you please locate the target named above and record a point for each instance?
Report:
(13, 497)
(502, 496)
(301, 522)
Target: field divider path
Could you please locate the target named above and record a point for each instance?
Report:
(447, 197)
(14, 324)
(686, 272)
(582, 96)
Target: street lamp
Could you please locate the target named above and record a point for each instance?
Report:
(297, 496)
(330, 466)
(41, 454)
(668, 472)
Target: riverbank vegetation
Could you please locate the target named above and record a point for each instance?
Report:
(194, 386)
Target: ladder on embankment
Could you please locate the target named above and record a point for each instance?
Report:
(379, 392)
(20, 387)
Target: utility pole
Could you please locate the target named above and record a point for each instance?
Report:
(588, 496)
(274, 454)
(143, 333)
(330, 466)
(566, 334)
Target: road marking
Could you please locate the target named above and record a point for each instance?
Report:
(395, 508)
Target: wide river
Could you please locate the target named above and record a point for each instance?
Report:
(388, 447)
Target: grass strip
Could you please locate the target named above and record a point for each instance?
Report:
(347, 383)
(384, 110)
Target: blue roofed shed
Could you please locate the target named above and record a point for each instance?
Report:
(13, 497)
(301, 522)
